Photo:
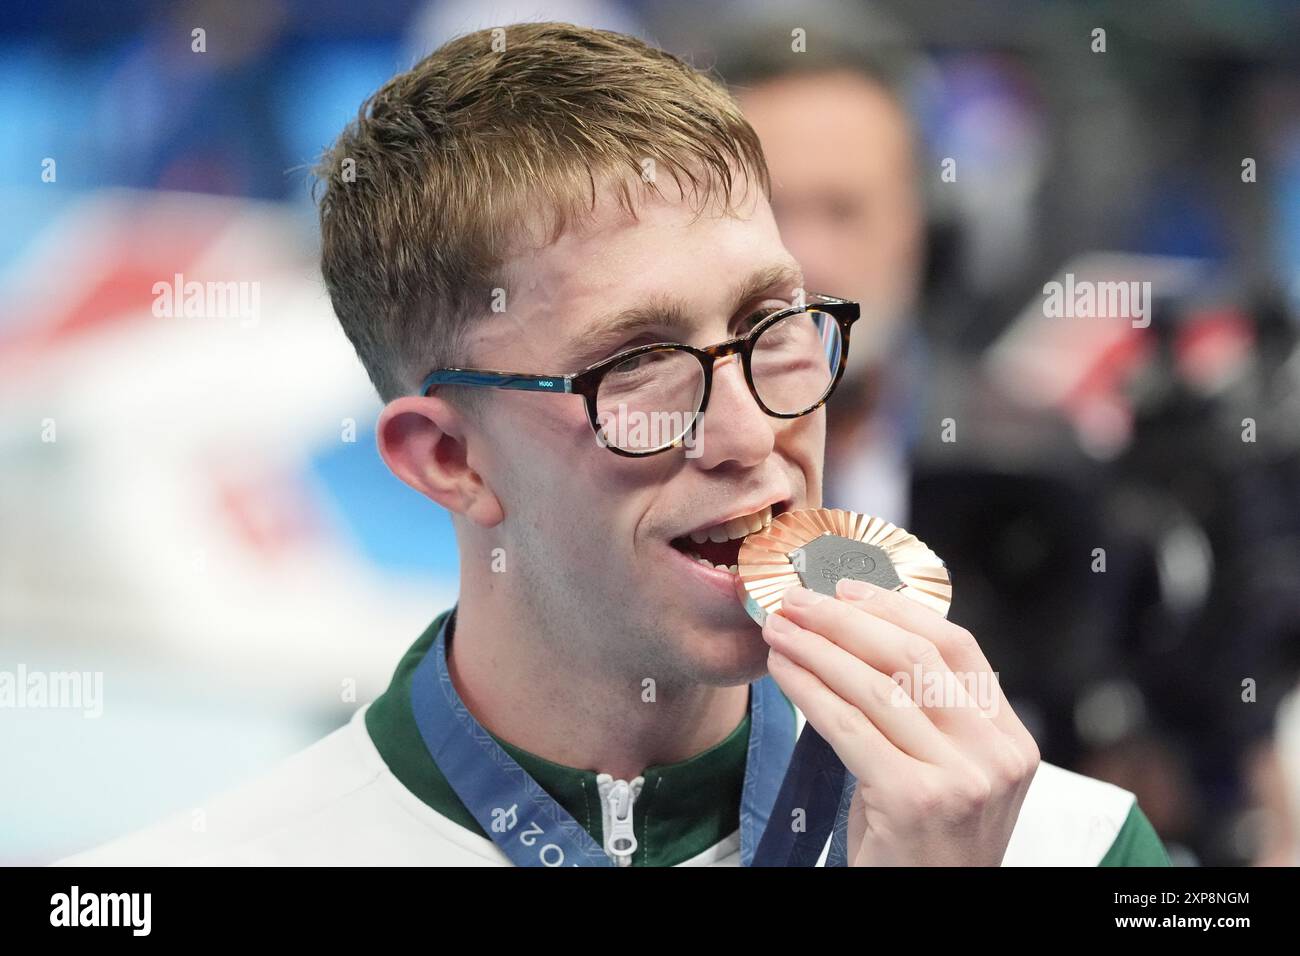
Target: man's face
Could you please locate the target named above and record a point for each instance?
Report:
(844, 193)
(590, 533)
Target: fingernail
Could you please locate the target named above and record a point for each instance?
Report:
(779, 625)
(802, 597)
(855, 590)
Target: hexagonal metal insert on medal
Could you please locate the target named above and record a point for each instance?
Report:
(824, 560)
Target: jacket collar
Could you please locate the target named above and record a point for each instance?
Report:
(683, 809)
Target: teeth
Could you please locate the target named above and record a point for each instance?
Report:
(735, 528)
(709, 564)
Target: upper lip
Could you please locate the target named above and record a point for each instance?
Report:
(736, 513)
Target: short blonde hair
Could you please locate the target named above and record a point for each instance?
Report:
(425, 194)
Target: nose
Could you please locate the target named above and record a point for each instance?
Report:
(733, 428)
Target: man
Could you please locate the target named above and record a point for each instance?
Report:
(524, 204)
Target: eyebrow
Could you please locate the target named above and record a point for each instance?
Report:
(597, 341)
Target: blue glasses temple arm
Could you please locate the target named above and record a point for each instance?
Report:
(528, 383)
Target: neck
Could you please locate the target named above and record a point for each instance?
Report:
(549, 704)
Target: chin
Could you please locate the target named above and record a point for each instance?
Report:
(726, 657)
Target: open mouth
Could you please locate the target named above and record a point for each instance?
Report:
(718, 546)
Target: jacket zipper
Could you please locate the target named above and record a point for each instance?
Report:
(617, 797)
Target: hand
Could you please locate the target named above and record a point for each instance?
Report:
(909, 703)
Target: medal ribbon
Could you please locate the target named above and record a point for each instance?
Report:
(532, 829)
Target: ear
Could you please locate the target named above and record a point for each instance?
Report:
(425, 442)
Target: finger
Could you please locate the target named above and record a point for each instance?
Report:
(1009, 753)
(958, 647)
(910, 660)
(884, 703)
(864, 750)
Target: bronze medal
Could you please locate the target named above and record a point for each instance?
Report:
(816, 547)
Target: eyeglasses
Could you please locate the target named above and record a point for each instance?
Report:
(647, 399)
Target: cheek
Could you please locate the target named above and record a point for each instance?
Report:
(547, 434)
(803, 444)
(805, 438)
(539, 453)
(561, 478)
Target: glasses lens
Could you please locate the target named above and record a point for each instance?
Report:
(649, 401)
(795, 361)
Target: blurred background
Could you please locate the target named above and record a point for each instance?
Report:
(192, 507)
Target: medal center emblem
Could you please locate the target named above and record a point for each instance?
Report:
(824, 560)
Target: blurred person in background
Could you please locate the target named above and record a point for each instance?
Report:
(1268, 832)
(852, 212)
(1276, 779)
